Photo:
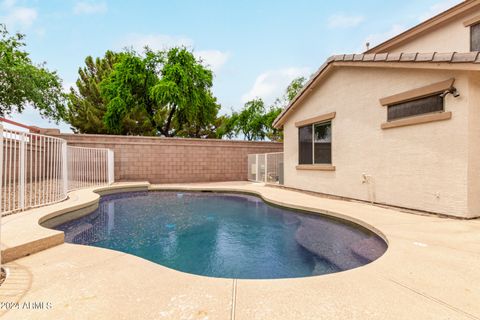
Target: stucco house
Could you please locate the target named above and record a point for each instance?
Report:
(396, 125)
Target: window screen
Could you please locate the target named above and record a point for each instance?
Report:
(305, 137)
(315, 144)
(415, 107)
(475, 37)
(322, 149)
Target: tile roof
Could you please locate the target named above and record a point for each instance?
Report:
(458, 57)
(435, 57)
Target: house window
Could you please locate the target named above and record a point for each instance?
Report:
(305, 138)
(315, 143)
(415, 107)
(475, 37)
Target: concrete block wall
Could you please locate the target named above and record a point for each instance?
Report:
(175, 160)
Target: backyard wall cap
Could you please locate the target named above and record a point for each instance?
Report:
(469, 61)
(159, 139)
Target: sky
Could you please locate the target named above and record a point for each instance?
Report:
(255, 48)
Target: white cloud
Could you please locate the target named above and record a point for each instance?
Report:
(271, 84)
(215, 59)
(89, 7)
(377, 38)
(437, 8)
(22, 15)
(17, 16)
(344, 21)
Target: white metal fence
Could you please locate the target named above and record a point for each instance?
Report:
(32, 170)
(89, 167)
(266, 167)
(37, 170)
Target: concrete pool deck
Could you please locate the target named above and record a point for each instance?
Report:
(431, 270)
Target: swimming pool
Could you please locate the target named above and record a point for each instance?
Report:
(224, 235)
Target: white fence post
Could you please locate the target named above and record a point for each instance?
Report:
(22, 167)
(266, 167)
(64, 168)
(111, 166)
(257, 165)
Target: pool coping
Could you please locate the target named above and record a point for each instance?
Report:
(408, 235)
(32, 231)
(23, 233)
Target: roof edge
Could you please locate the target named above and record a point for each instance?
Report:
(431, 59)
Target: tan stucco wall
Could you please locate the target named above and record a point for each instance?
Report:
(422, 167)
(450, 37)
(474, 146)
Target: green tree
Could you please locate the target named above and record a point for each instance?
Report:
(185, 91)
(294, 88)
(22, 82)
(250, 121)
(173, 88)
(226, 126)
(125, 93)
(254, 122)
(273, 134)
(87, 106)
(218, 129)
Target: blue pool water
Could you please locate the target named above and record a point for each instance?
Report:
(224, 235)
